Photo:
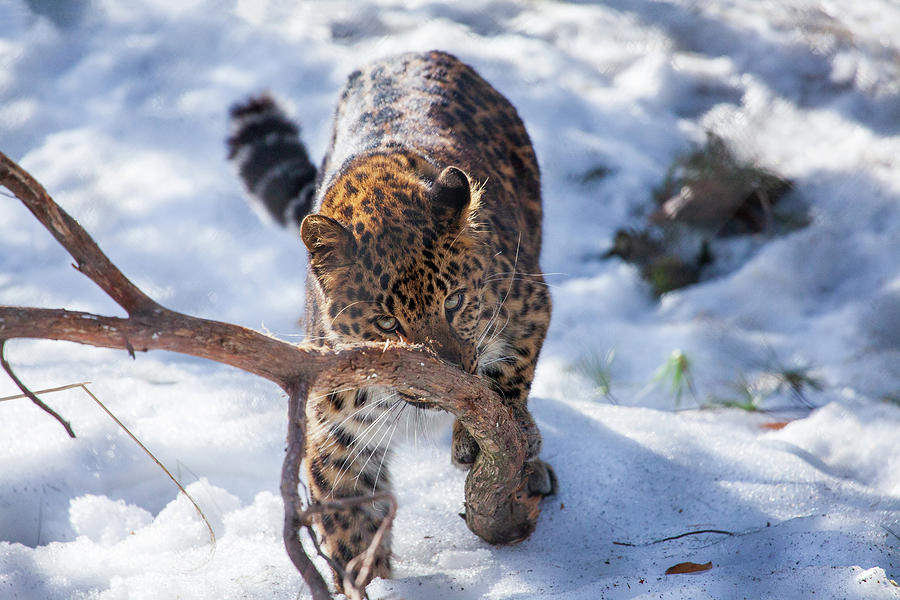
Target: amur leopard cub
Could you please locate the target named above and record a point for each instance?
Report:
(423, 225)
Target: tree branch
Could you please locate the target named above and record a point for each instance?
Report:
(498, 508)
(290, 482)
(89, 259)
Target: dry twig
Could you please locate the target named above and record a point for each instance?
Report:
(676, 537)
(28, 393)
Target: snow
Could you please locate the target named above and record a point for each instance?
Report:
(119, 109)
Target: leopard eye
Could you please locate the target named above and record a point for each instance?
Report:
(387, 324)
(453, 301)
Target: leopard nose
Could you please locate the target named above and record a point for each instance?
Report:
(455, 354)
(446, 352)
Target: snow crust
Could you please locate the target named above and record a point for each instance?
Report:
(119, 109)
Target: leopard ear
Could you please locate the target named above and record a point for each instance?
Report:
(330, 244)
(450, 194)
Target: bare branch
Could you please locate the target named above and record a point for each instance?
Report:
(29, 394)
(355, 588)
(290, 482)
(163, 329)
(89, 259)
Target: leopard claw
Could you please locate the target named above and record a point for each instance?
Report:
(542, 480)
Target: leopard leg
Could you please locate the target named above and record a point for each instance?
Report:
(541, 480)
(346, 458)
(464, 448)
(511, 377)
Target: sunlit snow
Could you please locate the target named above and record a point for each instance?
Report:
(119, 109)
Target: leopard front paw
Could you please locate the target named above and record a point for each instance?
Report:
(542, 479)
(464, 447)
(533, 441)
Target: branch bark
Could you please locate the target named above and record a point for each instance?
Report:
(498, 509)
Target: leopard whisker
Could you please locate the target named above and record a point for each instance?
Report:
(360, 436)
(492, 324)
(497, 334)
(357, 452)
(349, 305)
(387, 446)
(514, 278)
(503, 275)
(505, 296)
(391, 427)
(507, 358)
(368, 407)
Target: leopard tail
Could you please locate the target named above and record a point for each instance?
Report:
(271, 160)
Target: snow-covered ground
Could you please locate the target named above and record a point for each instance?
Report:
(119, 109)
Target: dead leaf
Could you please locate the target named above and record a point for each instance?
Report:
(688, 567)
(774, 426)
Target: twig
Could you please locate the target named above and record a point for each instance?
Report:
(321, 553)
(353, 589)
(89, 259)
(350, 587)
(29, 394)
(675, 537)
(290, 481)
(212, 534)
(356, 589)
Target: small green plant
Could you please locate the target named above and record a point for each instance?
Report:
(779, 379)
(750, 396)
(796, 381)
(676, 372)
(598, 369)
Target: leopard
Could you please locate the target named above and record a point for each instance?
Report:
(422, 225)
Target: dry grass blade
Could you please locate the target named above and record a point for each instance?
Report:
(212, 535)
(61, 388)
(677, 537)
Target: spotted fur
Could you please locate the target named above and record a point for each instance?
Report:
(427, 217)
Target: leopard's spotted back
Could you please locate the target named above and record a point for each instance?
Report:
(441, 109)
(426, 228)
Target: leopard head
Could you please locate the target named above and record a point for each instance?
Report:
(397, 253)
